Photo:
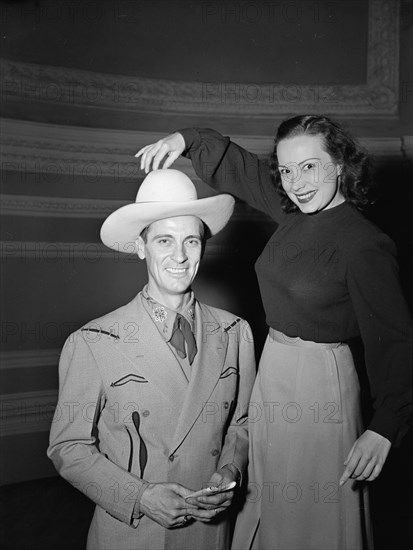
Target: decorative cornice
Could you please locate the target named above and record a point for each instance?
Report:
(30, 83)
(53, 207)
(29, 412)
(50, 152)
(65, 207)
(31, 358)
(52, 252)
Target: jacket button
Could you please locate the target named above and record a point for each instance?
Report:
(145, 413)
(226, 405)
(172, 458)
(214, 452)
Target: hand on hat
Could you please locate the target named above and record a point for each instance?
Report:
(171, 146)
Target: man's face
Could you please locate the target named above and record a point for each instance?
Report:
(172, 251)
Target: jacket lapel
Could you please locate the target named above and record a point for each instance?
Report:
(149, 354)
(206, 369)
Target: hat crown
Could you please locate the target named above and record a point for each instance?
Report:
(166, 186)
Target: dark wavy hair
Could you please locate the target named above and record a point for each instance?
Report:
(355, 181)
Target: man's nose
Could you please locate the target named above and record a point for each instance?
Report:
(179, 254)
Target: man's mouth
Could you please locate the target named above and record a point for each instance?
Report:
(305, 197)
(176, 270)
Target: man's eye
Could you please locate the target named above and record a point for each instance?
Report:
(193, 242)
(163, 241)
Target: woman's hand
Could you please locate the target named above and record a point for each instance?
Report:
(171, 146)
(366, 458)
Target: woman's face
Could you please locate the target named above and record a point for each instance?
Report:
(309, 175)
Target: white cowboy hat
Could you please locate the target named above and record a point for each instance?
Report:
(163, 194)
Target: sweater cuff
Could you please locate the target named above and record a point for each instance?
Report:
(192, 140)
(387, 424)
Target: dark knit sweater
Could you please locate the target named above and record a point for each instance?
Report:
(326, 277)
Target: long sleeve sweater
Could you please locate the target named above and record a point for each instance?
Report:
(326, 277)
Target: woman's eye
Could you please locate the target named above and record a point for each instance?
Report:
(284, 171)
(309, 166)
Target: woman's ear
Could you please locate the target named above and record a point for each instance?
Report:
(140, 247)
(339, 169)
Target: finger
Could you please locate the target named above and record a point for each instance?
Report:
(347, 472)
(170, 160)
(351, 463)
(358, 471)
(160, 154)
(350, 454)
(148, 156)
(222, 504)
(143, 154)
(141, 151)
(207, 515)
(367, 471)
(375, 473)
(217, 500)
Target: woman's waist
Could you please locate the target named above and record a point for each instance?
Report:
(281, 338)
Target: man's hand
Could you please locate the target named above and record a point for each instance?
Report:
(366, 458)
(165, 504)
(212, 505)
(171, 146)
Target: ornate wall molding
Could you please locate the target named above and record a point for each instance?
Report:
(54, 207)
(28, 412)
(53, 252)
(33, 83)
(29, 358)
(50, 151)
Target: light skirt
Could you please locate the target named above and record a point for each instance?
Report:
(304, 418)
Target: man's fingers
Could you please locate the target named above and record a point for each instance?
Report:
(207, 515)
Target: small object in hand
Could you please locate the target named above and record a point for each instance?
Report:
(212, 490)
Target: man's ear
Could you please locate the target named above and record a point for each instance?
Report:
(140, 247)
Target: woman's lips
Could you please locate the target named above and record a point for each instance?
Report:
(305, 197)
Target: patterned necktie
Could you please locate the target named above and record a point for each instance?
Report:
(182, 333)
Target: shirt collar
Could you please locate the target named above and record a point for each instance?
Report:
(164, 317)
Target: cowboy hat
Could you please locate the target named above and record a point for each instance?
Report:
(163, 194)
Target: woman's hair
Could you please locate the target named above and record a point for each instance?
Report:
(355, 183)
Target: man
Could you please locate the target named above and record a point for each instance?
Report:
(153, 398)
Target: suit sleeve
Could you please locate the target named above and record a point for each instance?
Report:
(73, 445)
(235, 448)
(386, 330)
(228, 168)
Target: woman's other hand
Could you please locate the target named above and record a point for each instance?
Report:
(171, 146)
(366, 458)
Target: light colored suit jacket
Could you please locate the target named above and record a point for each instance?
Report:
(127, 415)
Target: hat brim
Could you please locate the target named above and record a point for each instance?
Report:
(121, 229)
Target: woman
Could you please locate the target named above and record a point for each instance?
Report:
(326, 276)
